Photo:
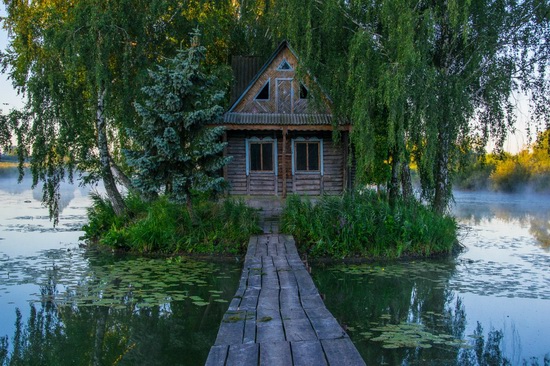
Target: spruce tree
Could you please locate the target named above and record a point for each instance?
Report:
(180, 151)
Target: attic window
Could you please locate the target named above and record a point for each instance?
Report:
(264, 93)
(303, 91)
(284, 66)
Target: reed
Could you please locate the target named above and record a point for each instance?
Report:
(161, 226)
(364, 225)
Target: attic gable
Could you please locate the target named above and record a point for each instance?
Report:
(275, 90)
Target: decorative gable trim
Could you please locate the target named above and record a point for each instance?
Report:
(262, 70)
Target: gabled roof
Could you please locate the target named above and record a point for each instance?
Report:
(248, 112)
(261, 71)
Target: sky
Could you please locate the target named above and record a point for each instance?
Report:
(8, 96)
(9, 99)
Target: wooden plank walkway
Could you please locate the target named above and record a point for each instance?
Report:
(277, 316)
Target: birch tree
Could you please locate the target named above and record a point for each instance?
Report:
(80, 64)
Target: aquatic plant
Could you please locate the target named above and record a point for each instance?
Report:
(364, 224)
(167, 227)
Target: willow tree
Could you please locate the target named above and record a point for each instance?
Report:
(420, 75)
(79, 64)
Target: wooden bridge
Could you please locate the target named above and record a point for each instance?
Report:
(277, 316)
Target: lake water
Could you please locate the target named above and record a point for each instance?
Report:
(488, 306)
(62, 304)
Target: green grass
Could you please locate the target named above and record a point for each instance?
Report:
(221, 227)
(364, 225)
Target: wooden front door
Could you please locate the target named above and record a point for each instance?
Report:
(284, 95)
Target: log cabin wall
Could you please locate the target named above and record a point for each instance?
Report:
(328, 180)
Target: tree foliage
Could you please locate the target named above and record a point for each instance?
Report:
(78, 63)
(416, 77)
(81, 66)
(177, 152)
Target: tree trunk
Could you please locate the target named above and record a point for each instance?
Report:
(406, 181)
(120, 176)
(105, 159)
(99, 338)
(442, 188)
(394, 182)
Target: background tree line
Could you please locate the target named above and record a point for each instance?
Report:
(416, 78)
(526, 171)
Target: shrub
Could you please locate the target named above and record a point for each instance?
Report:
(364, 224)
(162, 226)
(510, 175)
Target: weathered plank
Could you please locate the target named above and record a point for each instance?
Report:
(231, 328)
(308, 353)
(250, 299)
(324, 324)
(269, 299)
(217, 355)
(277, 316)
(269, 328)
(289, 298)
(249, 335)
(275, 354)
(312, 301)
(243, 354)
(297, 325)
(341, 352)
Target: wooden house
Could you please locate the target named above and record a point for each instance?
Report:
(280, 139)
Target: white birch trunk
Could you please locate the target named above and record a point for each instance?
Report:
(105, 159)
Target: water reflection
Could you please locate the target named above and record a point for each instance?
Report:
(527, 210)
(97, 308)
(410, 314)
(10, 186)
(87, 324)
(408, 301)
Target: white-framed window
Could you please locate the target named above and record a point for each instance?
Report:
(284, 66)
(261, 155)
(307, 155)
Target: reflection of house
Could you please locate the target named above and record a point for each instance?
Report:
(281, 142)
